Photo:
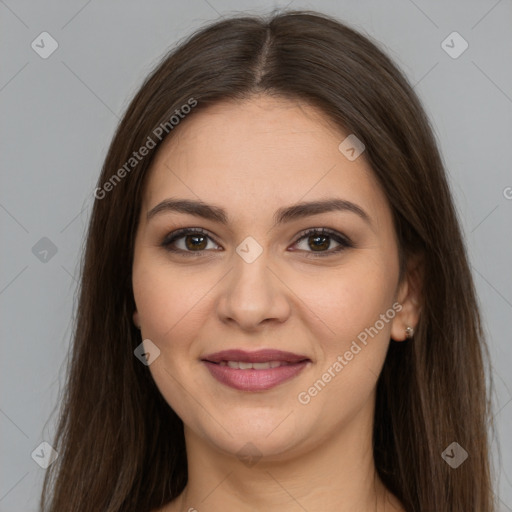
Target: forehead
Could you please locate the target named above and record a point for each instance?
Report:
(260, 153)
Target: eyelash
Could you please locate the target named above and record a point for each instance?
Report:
(344, 242)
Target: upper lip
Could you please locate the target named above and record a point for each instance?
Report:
(259, 356)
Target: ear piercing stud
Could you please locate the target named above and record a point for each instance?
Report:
(409, 332)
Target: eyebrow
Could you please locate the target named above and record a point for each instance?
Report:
(282, 215)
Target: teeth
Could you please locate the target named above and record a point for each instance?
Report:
(261, 366)
(240, 365)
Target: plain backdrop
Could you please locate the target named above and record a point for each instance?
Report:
(58, 117)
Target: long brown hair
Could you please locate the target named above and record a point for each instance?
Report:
(121, 447)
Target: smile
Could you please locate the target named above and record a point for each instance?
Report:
(254, 371)
(256, 366)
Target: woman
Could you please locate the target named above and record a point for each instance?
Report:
(276, 308)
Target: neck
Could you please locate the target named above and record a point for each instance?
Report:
(337, 474)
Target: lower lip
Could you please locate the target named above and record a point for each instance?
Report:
(254, 380)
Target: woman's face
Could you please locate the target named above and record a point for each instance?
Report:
(251, 281)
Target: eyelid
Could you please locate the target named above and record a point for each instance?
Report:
(343, 240)
(323, 231)
(181, 233)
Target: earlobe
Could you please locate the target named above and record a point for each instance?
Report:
(409, 296)
(405, 322)
(402, 329)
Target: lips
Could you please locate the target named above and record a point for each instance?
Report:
(260, 356)
(254, 371)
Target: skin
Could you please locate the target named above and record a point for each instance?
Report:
(251, 158)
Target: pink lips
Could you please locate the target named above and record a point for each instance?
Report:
(254, 379)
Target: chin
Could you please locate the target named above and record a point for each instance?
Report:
(250, 448)
(271, 439)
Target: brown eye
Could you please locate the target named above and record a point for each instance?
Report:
(187, 241)
(194, 241)
(319, 241)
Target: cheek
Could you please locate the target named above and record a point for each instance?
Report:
(168, 301)
(169, 305)
(351, 302)
(349, 299)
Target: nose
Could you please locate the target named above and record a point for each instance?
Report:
(253, 294)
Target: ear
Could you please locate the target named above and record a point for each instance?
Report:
(136, 320)
(409, 295)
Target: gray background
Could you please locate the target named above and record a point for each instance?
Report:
(58, 117)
